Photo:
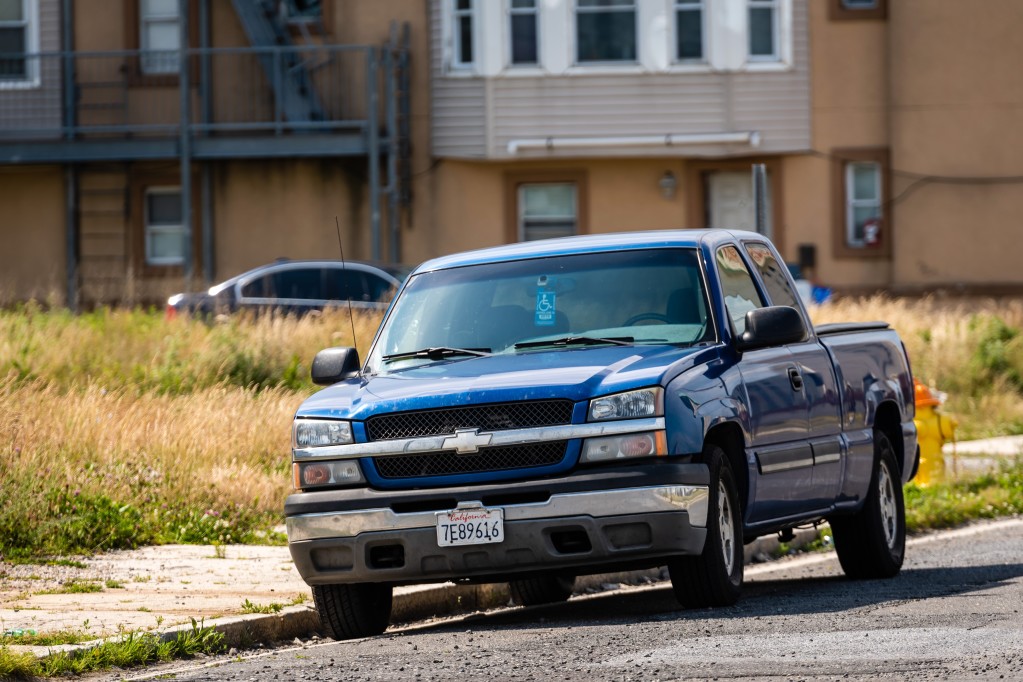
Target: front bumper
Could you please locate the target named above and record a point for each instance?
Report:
(606, 519)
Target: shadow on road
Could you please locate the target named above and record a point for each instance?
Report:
(803, 596)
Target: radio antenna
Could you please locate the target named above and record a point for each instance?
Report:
(344, 277)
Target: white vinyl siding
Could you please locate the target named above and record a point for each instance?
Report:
(476, 114)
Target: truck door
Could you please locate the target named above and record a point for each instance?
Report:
(819, 383)
(781, 462)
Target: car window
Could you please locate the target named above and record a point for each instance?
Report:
(771, 273)
(378, 288)
(261, 287)
(741, 295)
(299, 283)
(347, 283)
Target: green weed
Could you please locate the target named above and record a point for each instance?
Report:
(131, 649)
(273, 607)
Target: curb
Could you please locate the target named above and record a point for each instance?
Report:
(415, 604)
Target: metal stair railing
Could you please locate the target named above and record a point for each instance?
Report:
(285, 69)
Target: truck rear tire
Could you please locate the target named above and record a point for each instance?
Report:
(872, 542)
(351, 611)
(714, 578)
(542, 589)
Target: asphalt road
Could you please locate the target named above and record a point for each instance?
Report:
(953, 613)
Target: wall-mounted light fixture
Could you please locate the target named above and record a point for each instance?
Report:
(668, 184)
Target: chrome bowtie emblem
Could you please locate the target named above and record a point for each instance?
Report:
(467, 441)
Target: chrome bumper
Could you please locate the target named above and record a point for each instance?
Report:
(604, 503)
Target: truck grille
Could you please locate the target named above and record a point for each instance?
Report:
(495, 417)
(487, 459)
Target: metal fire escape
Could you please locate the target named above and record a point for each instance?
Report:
(293, 101)
(285, 70)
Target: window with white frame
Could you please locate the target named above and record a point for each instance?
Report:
(524, 35)
(689, 30)
(547, 210)
(462, 33)
(165, 231)
(863, 203)
(763, 30)
(18, 38)
(159, 36)
(605, 31)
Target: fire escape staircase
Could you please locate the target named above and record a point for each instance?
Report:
(286, 71)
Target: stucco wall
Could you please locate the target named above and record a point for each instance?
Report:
(32, 263)
(957, 103)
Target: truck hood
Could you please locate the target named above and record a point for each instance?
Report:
(576, 374)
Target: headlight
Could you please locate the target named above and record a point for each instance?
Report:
(335, 473)
(646, 402)
(628, 446)
(311, 433)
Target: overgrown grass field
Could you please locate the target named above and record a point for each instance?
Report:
(119, 428)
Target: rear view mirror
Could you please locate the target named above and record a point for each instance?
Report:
(331, 365)
(772, 326)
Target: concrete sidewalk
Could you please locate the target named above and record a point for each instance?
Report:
(254, 593)
(250, 593)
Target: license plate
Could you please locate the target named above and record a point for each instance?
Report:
(474, 526)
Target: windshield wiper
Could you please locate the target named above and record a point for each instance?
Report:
(579, 341)
(438, 352)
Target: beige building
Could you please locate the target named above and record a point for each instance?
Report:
(887, 128)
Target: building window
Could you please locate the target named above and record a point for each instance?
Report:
(165, 231)
(857, 9)
(763, 30)
(18, 38)
(605, 31)
(689, 30)
(523, 23)
(462, 32)
(159, 36)
(863, 204)
(302, 11)
(547, 210)
(861, 190)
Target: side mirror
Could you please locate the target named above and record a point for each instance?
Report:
(331, 365)
(772, 326)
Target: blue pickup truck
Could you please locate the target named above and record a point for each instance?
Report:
(539, 411)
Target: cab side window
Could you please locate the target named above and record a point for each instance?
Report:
(741, 295)
(773, 276)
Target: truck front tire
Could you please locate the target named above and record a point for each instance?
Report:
(352, 611)
(872, 542)
(543, 589)
(714, 578)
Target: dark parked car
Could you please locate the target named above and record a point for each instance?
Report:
(297, 286)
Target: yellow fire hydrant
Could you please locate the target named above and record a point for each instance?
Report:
(933, 430)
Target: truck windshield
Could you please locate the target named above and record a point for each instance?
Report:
(620, 297)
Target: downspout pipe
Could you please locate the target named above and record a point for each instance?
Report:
(70, 171)
(751, 138)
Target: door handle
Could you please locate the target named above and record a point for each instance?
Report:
(796, 379)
